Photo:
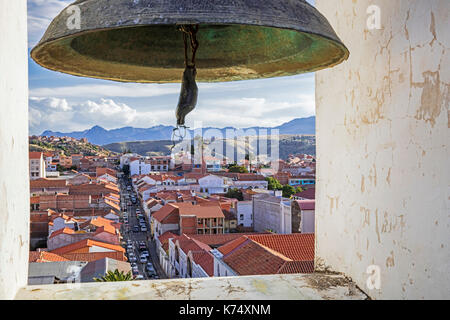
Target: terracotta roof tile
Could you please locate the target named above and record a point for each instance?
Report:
(309, 193)
(61, 231)
(217, 239)
(252, 259)
(296, 246)
(94, 256)
(205, 260)
(187, 208)
(44, 256)
(270, 254)
(86, 243)
(35, 155)
(163, 214)
(306, 204)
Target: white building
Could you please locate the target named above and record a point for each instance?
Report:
(221, 269)
(212, 184)
(37, 165)
(139, 167)
(244, 210)
(190, 258)
(272, 213)
(126, 159)
(250, 184)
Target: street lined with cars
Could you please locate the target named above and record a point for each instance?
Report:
(136, 234)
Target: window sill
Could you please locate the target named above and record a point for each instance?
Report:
(315, 286)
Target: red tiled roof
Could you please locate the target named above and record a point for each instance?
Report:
(188, 209)
(44, 256)
(252, 259)
(164, 239)
(195, 176)
(217, 239)
(48, 183)
(86, 243)
(296, 246)
(205, 260)
(104, 225)
(162, 214)
(230, 246)
(306, 204)
(309, 193)
(35, 155)
(166, 236)
(187, 244)
(297, 267)
(94, 256)
(61, 231)
(270, 254)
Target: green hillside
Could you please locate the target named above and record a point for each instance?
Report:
(288, 144)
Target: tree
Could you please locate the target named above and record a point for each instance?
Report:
(235, 193)
(115, 275)
(237, 169)
(274, 184)
(299, 189)
(126, 169)
(288, 191)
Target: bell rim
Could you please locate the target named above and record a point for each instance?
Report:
(41, 45)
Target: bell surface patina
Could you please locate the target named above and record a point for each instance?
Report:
(138, 40)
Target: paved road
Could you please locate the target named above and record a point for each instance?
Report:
(136, 237)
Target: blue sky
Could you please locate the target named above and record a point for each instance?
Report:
(65, 103)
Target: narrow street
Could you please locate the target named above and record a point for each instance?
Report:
(136, 240)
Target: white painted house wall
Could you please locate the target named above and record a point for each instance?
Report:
(245, 209)
(213, 185)
(307, 224)
(14, 174)
(383, 120)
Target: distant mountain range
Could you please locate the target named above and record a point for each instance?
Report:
(100, 136)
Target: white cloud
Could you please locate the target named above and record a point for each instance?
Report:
(40, 14)
(59, 115)
(133, 90)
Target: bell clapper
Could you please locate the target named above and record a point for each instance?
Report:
(189, 89)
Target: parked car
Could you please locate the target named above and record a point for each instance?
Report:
(145, 253)
(139, 277)
(150, 269)
(132, 259)
(135, 271)
(143, 259)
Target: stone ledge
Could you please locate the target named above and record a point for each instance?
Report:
(317, 286)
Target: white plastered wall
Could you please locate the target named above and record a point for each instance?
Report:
(14, 176)
(382, 147)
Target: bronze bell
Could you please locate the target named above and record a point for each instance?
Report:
(139, 40)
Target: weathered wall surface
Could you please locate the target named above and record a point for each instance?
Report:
(14, 185)
(382, 146)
